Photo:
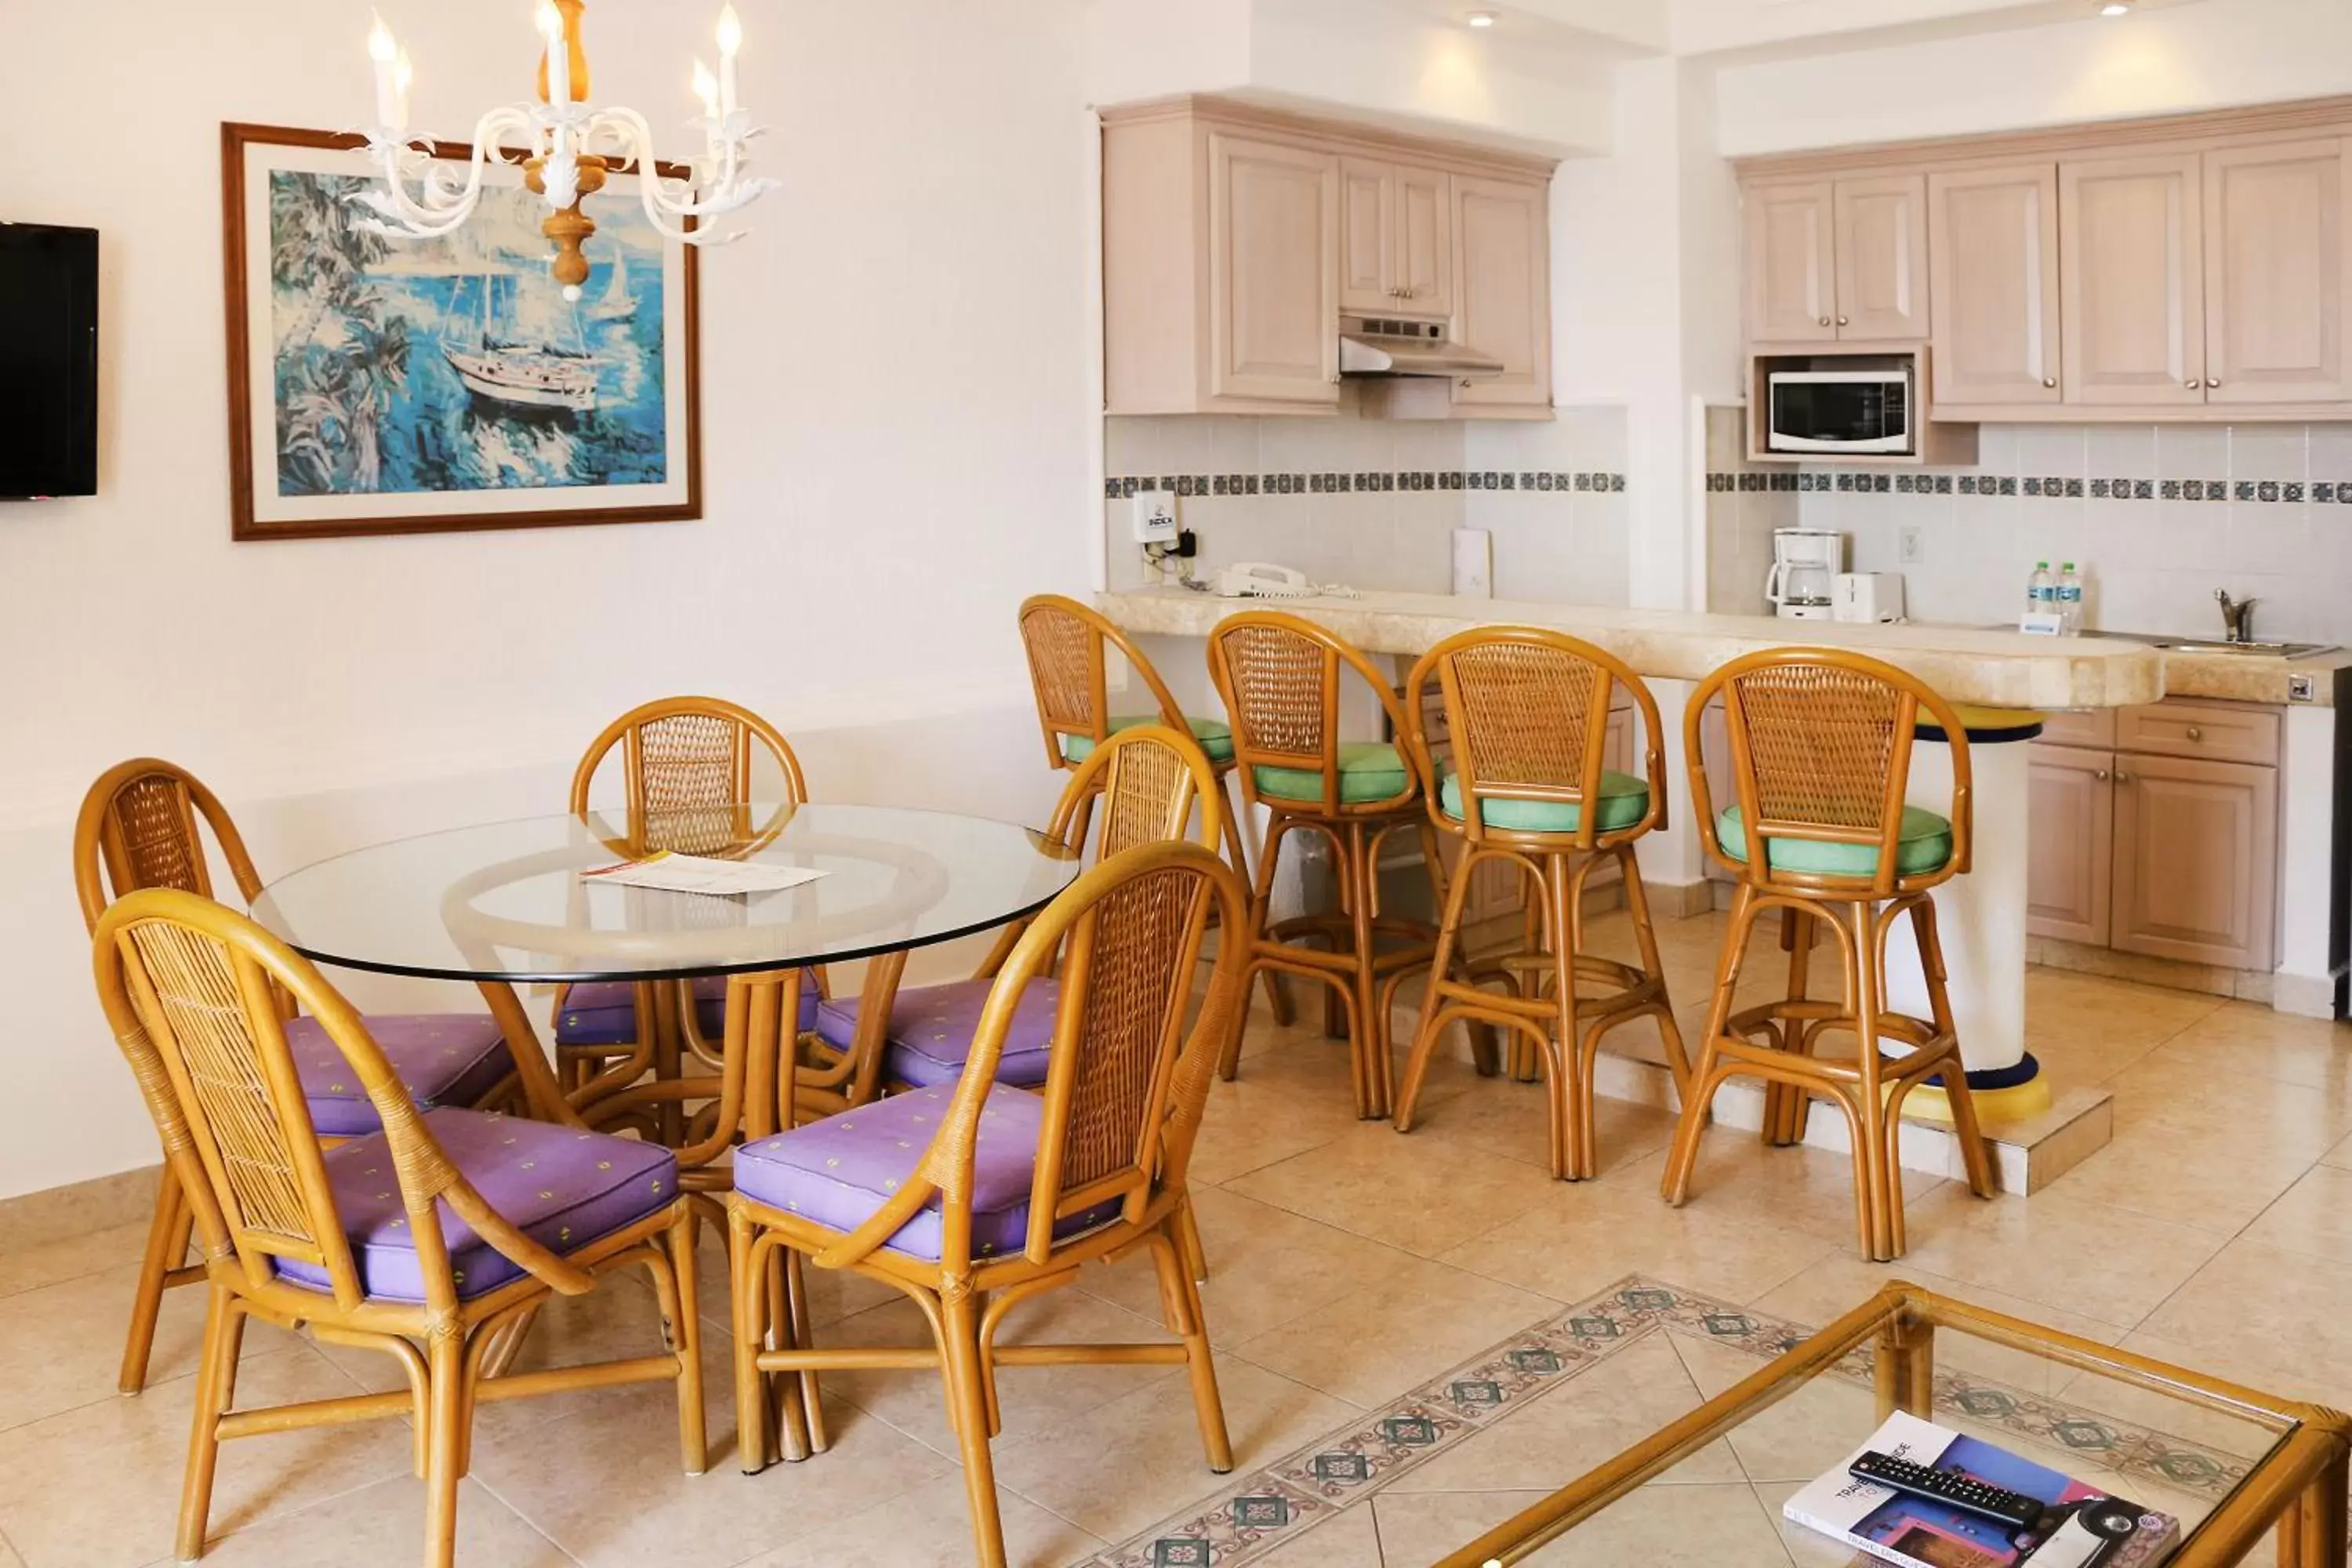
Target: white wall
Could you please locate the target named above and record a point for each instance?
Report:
(898, 446)
(2162, 60)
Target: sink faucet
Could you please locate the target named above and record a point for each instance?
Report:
(2236, 617)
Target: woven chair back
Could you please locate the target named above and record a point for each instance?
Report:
(1526, 719)
(1150, 778)
(687, 763)
(190, 993)
(139, 828)
(1280, 678)
(1069, 646)
(1820, 744)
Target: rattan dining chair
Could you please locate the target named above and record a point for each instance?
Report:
(687, 764)
(1821, 745)
(974, 1197)
(141, 826)
(1281, 679)
(432, 1241)
(1525, 783)
(1147, 781)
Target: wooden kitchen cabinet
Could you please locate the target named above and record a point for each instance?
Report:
(1396, 247)
(1273, 236)
(1992, 284)
(1791, 258)
(2072, 800)
(1502, 273)
(2131, 281)
(2166, 844)
(1235, 236)
(2278, 279)
(2196, 859)
(1882, 257)
(1831, 259)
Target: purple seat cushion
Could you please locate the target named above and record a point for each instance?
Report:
(604, 1012)
(837, 1172)
(932, 1028)
(443, 1058)
(561, 1188)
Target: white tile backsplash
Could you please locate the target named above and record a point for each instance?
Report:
(2150, 561)
(1294, 492)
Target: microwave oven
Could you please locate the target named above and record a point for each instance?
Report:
(1839, 411)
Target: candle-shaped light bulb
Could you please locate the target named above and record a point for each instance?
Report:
(384, 51)
(559, 53)
(705, 88)
(403, 73)
(731, 39)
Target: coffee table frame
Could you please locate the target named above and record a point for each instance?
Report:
(2299, 1486)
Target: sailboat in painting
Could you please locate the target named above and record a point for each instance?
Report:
(520, 375)
(618, 304)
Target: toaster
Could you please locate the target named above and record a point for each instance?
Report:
(1867, 596)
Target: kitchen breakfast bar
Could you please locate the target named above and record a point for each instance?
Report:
(2003, 682)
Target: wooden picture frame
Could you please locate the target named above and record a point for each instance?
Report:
(353, 411)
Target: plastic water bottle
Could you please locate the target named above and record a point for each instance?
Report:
(2070, 600)
(2041, 593)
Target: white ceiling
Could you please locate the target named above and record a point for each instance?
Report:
(1766, 28)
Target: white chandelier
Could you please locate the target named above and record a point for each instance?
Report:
(565, 149)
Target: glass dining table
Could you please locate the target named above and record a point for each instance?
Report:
(503, 903)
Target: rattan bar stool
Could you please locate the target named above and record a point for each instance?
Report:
(1527, 720)
(1281, 677)
(1821, 754)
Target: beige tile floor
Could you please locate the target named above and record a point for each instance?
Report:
(1349, 1264)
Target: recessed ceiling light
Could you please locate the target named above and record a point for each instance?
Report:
(1481, 18)
(2115, 8)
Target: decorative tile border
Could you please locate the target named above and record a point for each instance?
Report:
(1258, 1512)
(1333, 482)
(2044, 487)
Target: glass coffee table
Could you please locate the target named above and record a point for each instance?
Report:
(2236, 1466)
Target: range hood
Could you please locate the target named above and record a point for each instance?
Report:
(1373, 345)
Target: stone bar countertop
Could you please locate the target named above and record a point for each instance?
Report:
(2253, 677)
(1994, 668)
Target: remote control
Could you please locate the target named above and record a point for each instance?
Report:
(2015, 1509)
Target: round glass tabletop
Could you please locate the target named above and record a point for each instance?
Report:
(506, 901)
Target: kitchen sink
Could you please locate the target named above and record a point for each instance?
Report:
(2215, 645)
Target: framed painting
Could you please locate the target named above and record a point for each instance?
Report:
(379, 384)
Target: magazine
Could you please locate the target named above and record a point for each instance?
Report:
(2082, 1527)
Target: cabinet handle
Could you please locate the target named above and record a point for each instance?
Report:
(1844, 323)
(1467, 383)
(2121, 777)
(2193, 384)
(2195, 733)
(2048, 381)
(2211, 383)
(1825, 320)
(2101, 776)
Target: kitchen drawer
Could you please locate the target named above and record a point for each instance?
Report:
(2094, 727)
(2216, 731)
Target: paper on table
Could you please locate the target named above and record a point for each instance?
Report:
(699, 874)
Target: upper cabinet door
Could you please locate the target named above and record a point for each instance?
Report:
(1273, 268)
(1502, 247)
(2277, 276)
(1367, 225)
(1882, 257)
(2131, 267)
(1792, 263)
(1992, 275)
(1423, 236)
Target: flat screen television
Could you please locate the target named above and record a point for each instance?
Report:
(49, 360)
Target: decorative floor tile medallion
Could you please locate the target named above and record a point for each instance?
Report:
(1254, 1514)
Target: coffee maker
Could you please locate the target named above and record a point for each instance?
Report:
(1805, 564)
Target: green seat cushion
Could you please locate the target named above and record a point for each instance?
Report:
(1624, 799)
(1215, 736)
(1369, 770)
(1926, 846)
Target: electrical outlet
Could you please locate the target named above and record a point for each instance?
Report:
(1911, 549)
(1155, 518)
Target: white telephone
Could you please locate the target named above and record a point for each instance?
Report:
(1263, 580)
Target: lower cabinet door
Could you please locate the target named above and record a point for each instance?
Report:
(2196, 859)
(2071, 807)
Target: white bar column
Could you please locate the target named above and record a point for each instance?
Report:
(1980, 916)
